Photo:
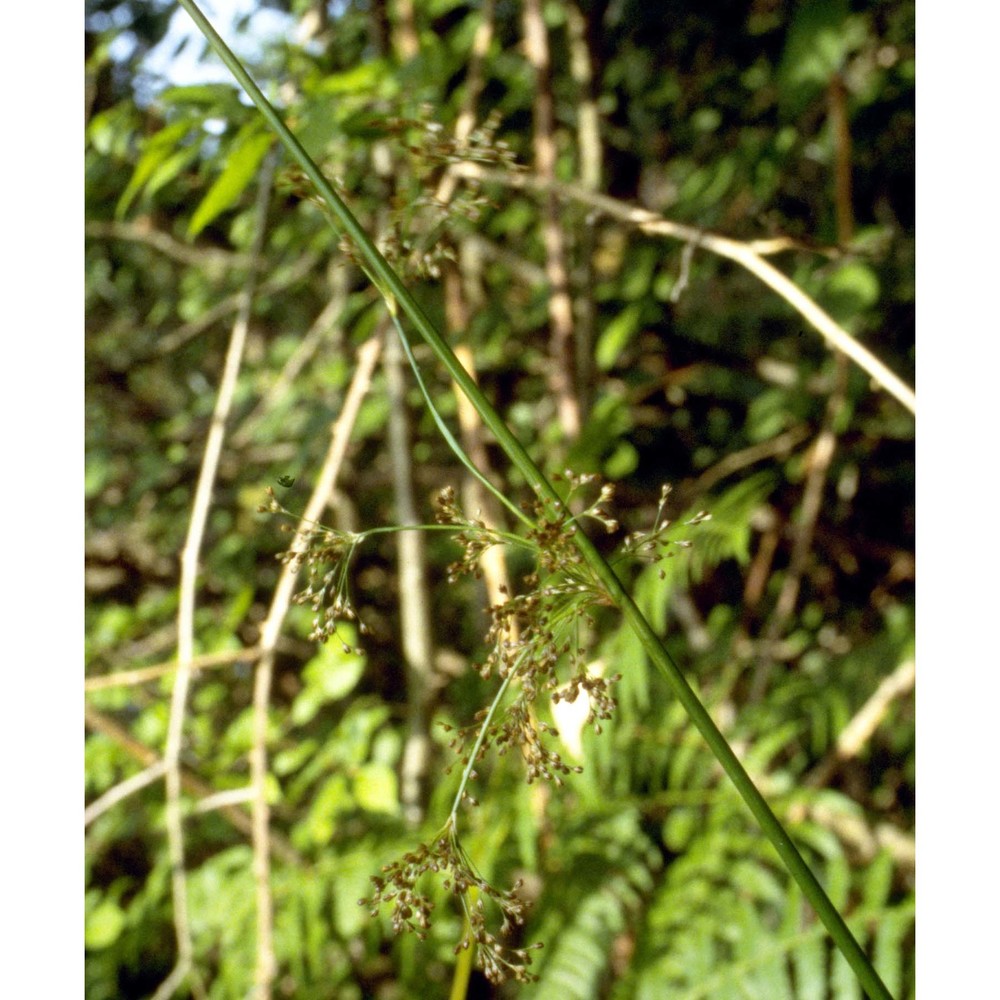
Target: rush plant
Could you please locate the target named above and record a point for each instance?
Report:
(572, 574)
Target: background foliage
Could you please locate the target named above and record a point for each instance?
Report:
(648, 877)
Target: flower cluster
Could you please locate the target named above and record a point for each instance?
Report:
(532, 634)
(472, 534)
(534, 642)
(432, 145)
(414, 236)
(602, 705)
(653, 546)
(411, 908)
(326, 554)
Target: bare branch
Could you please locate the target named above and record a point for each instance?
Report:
(278, 281)
(475, 244)
(579, 33)
(743, 253)
(780, 445)
(414, 607)
(100, 723)
(172, 983)
(306, 348)
(229, 797)
(868, 718)
(183, 253)
(863, 839)
(270, 632)
(473, 88)
(818, 465)
(140, 675)
(458, 280)
(122, 791)
(188, 585)
(562, 345)
(405, 38)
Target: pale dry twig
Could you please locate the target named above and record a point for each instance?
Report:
(123, 790)
(185, 616)
(141, 675)
(562, 349)
(818, 466)
(270, 632)
(98, 722)
(743, 253)
(864, 723)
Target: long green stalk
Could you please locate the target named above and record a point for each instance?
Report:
(396, 293)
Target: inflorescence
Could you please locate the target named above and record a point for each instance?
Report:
(533, 633)
(654, 546)
(326, 553)
(534, 641)
(411, 908)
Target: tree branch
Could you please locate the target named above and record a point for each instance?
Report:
(123, 790)
(817, 467)
(867, 719)
(562, 350)
(129, 678)
(100, 723)
(278, 282)
(743, 253)
(183, 253)
(188, 584)
(270, 633)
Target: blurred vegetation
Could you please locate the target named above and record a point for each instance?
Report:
(648, 878)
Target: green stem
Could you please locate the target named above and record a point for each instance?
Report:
(463, 964)
(358, 537)
(393, 289)
(443, 427)
(481, 735)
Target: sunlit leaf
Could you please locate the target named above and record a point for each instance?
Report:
(242, 164)
(104, 925)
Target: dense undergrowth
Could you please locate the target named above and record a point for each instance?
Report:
(791, 612)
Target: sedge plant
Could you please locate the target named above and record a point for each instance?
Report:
(591, 571)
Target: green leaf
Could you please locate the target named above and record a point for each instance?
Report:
(376, 788)
(680, 826)
(333, 799)
(809, 963)
(328, 676)
(891, 931)
(170, 168)
(110, 132)
(821, 37)
(770, 744)
(610, 420)
(352, 881)
(291, 759)
(839, 881)
(842, 979)
(157, 150)
(852, 288)
(622, 462)
(104, 925)
(641, 265)
(209, 95)
(769, 415)
(358, 79)
(242, 163)
(616, 335)
(878, 881)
